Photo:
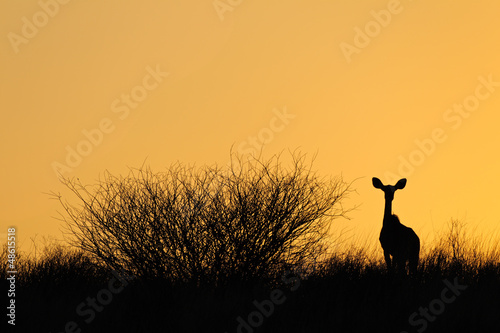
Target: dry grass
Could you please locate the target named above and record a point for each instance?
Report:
(347, 292)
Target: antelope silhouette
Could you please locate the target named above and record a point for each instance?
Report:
(397, 240)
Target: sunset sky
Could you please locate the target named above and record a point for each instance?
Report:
(390, 89)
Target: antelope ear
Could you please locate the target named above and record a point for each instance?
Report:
(401, 184)
(377, 183)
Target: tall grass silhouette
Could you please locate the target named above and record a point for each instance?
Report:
(349, 291)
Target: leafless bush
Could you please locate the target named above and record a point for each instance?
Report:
(206, 224)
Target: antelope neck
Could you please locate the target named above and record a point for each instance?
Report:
(387, 212)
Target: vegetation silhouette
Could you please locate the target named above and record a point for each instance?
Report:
(314, 288)
(207, 225)
(349, 291)
(398, 241)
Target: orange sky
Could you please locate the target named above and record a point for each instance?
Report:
(376, 88)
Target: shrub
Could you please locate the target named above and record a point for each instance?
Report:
(208, 224)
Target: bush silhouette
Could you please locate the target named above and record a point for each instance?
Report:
(206, 225)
